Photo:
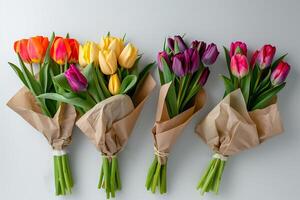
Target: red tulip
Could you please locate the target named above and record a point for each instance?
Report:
(242, 47)
(163, 55)
(265, 56)
(74, 45)
(60, 51)
(20, 47)
(253, 59)
(280, 73)
(37, 47)
(239, 65)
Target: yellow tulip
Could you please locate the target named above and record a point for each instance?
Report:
(108, 62)
(88, 53)
(114, 84)
(128, 56)
(112, 43)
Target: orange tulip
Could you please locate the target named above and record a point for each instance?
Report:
(20, 47)
(74, 49)
(37, 47)
(60, 51)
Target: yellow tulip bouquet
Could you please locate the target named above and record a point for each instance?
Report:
(109, 91)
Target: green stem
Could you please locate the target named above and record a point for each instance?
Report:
(119, 186)
(31, 69)
(61, 176)
(56, 177)
(155, 178)
(101, 178)
(151, 172)
(203, 178)
(65, 174)
(257, 80)
(163, 186)
(69, 169)
(113, 176)
(210, 177)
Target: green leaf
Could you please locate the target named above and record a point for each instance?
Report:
(19, 73)
(103, 83)
(44, 77)
(161, 76)
(191, 94)
(93, 85)
(228, 60)
(143, 74)
(276, 62)
(167, 74)
(171, 100)
(264, 83)
(245, 87)
(47, 55)
(264, 99)
(229, 87)
(128, 83)
(62, 82)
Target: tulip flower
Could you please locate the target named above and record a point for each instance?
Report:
(253, 59)
(204, 76)
(178, 65)
(20, 47)
(76, 79)
(192, 60)
(170, 43)
(114, 84)
(88, 53)
(200, 46)
(108, 62)
(74, 50)
(210, 55)
(280, 73)
(181, 45)
(239, 65)
(112, 43)
(36, 48)
(162, 55)
(128, 56)
(241, 46)
(60, 51)
(265, 56)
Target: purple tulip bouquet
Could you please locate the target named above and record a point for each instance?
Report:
(183, 72)
(248, 114)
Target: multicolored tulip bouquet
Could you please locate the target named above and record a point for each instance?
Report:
(109, 91)
(55, 120)
(183, 72)
(248, 114)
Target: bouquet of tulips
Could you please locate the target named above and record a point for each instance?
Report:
(248, 114)
(183, 72)
(53, 119)
(109, 91)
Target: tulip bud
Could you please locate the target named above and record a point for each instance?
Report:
(192, 60)
(162, 55)
(204, 76)
(253, 59)
(182, 46)
(114, 84)
(88, 53)
(200, 46)
(108, 62)
(170, 42)
(74, 45)
(76, 79)
(112, 43)
(238, 45)
(60, 50)
(36, 48)
(20, 47)
(178, 65)
(128, 56)
(265, 56)
(239, 65)
(280, 73)
(210, 55)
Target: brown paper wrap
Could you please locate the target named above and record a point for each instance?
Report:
(229, 128)
(109, 124)
(57, 130)
(166, 130)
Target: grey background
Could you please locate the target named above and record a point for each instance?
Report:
(269, 172)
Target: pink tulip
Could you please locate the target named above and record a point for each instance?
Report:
(265, 56)
(239, 65)
(242, 47)
(280, 73)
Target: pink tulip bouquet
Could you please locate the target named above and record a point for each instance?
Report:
(183, 71)
(248, 114)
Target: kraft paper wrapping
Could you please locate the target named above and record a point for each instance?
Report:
(166, 130)
(229, 128)
(109, 124)
(57, 130)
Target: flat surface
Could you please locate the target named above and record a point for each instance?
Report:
(268, 172)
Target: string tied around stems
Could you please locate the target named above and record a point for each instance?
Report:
(220, 156)
(59, 152)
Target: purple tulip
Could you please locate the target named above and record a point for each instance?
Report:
(163, 55)
(192, 60)
(76, 79)
(210, 55)
(265, 56)
(200, 46)
(181, 45)
(204, 76)
(280, 73)
(170, 42)
(179, 65)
